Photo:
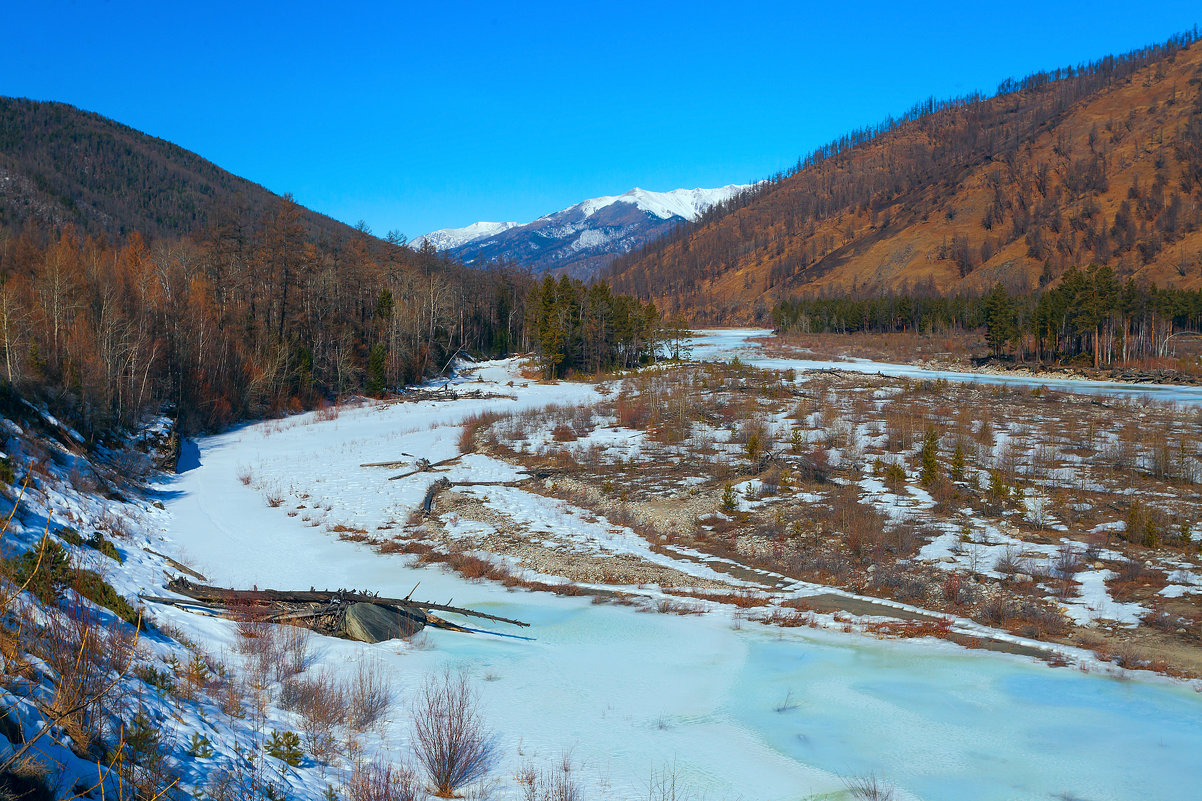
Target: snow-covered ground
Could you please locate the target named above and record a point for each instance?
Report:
(628, 692)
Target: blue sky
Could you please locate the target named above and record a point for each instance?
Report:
(416, 116)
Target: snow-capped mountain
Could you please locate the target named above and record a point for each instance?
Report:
(449, 238)
(581, 239)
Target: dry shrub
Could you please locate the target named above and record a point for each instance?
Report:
(472, 427)
(632, 412)
(326, 411)
(475, 568)
(869, 788)
(563, 433)
(951, 589)
(669, 607)
(666, 785)
(1029, 617)
(550, 784)
(923, 627)
(274, 652)
(382, 782)
(743, 599)
(293, 654)
(450, 740)
(246, 778)
(83, 655)
(370, 695)
(321, 699)
(787, 618)
(1009, 561)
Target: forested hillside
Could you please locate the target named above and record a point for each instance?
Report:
(136, 276)
(61, 165)
(242, 320)
(1097, 164)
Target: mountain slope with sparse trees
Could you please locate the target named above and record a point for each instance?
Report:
(1094, 164)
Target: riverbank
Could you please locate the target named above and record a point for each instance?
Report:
(965, 353)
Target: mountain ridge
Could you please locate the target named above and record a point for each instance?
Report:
(580, 239)
(1099, 163)
(60, 165)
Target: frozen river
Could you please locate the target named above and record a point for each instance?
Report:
(629, 692)
(725, 344)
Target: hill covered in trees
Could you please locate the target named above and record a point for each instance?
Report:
(1095, 164)
(61, 165)
(137, 277)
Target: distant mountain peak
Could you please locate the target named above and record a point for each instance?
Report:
(582, 238)
(451, 238)
(688, 204)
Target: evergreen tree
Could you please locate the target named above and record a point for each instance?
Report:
(928, 458)
(377, 366)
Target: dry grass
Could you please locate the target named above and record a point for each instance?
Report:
(472, 427)
(373, 781)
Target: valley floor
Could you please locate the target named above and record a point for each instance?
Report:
(772, 640)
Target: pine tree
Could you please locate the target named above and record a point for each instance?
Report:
(377, 366)
(958, 462)
(730, 501)
(1000, 320)
(929, 458)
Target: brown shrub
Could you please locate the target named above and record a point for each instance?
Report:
(450, 740)
(472, 427)
(374, 781)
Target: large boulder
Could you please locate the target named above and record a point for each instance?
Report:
(377, 623)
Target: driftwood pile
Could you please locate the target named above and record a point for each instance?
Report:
(445, 393)
(345, 613)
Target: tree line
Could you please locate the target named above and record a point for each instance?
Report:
(574, 326)
(1087, 313)
(1090, 313)
(246, 318)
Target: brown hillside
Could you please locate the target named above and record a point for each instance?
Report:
(61, 165)
(1098, 164)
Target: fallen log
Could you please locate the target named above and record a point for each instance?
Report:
(177, 565)
(396, 463)
(447, 394)
(425, 466)
(227, 597)
(432, 493)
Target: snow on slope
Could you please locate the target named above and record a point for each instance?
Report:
(686, 203)
(449, 238)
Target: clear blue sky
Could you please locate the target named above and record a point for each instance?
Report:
(416, 116)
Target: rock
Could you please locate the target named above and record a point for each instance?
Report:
(1023, 577)
(10, 727)
(158, 505)
(374, 623)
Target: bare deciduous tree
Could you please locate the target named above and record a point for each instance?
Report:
(450, 740)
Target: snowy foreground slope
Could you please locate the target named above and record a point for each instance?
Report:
(740, 709)
(583, 238)
(628, 692)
